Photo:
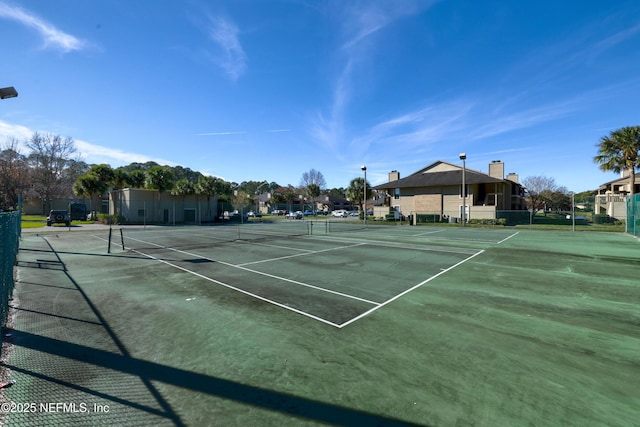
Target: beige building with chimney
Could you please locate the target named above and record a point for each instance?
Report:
(437, 190)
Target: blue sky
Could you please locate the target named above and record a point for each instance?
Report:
(268, 89)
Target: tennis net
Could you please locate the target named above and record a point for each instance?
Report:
(341, 226)
(192, 237)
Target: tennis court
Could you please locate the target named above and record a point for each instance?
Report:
(335, 280)
(330, 323)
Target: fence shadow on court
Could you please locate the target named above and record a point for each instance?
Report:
(264, 398)
(124, 363)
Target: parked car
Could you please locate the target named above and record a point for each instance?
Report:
(56, 217)
(340, 213)
(294, 215)
(78, 212)
(307, 213)
(278, 212)
(253, 214)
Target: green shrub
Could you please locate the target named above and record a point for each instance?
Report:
(488, 221)
(110, 219)
(427, 218)
(603, 219)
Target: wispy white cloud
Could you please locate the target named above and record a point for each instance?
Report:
(233, 60)
(241, 132)
(8, 130)
(277, 130)
(52, 36)
(361, 20)
(92, 153)
(430, 124)
(88, 152)
(500, 124)
(617, 38)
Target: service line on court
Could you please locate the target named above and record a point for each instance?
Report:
(366, 313)
(218, 282)
(309, 252)
(243, 268)
(414, 246)
(427, 232)
(507, 238)
(376, 305)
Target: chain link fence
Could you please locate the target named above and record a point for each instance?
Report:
(633, 215)
(480, 215)
(9, 241)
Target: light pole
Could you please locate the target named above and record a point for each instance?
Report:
(8, 92)
(463, 157)
(364, 203)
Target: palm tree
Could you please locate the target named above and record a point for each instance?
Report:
(159, 178)
(89, 185)
(136, 179)
(207, 186)
(620, 151)
(355, 192)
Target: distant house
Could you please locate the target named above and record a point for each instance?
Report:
(611, 196)
(321, 203)
(138, 206)
(330, 203)
(436, 189)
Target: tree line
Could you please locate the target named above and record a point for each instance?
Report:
(52, 170)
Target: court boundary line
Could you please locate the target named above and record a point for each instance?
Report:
(412, 246)
(377, 305)
(249, 270)
(307, 252)
(366, 313)
(507, 238)
(453, 239)
(218, 282)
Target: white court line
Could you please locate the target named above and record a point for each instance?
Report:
(427, 232)
(250, 270)
(295, 310)
(412, 246)
(407, 291)
(451, 239)
(505, 239)
(311, 316)
(297, 255)
(269, 245)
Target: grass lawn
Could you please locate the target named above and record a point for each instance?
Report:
(38, 221)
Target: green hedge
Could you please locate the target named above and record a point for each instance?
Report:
(602, 219)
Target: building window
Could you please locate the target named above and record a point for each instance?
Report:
(396, 193)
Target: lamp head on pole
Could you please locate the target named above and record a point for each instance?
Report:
(463, 156)
(8, 92)
(363, 167)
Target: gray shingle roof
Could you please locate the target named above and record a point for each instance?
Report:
(437, 179)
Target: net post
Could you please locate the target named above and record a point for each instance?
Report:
(109, 242)
(122, 240)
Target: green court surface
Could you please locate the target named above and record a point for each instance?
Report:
(268, 325)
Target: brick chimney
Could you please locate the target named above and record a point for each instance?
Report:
(394, 176)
